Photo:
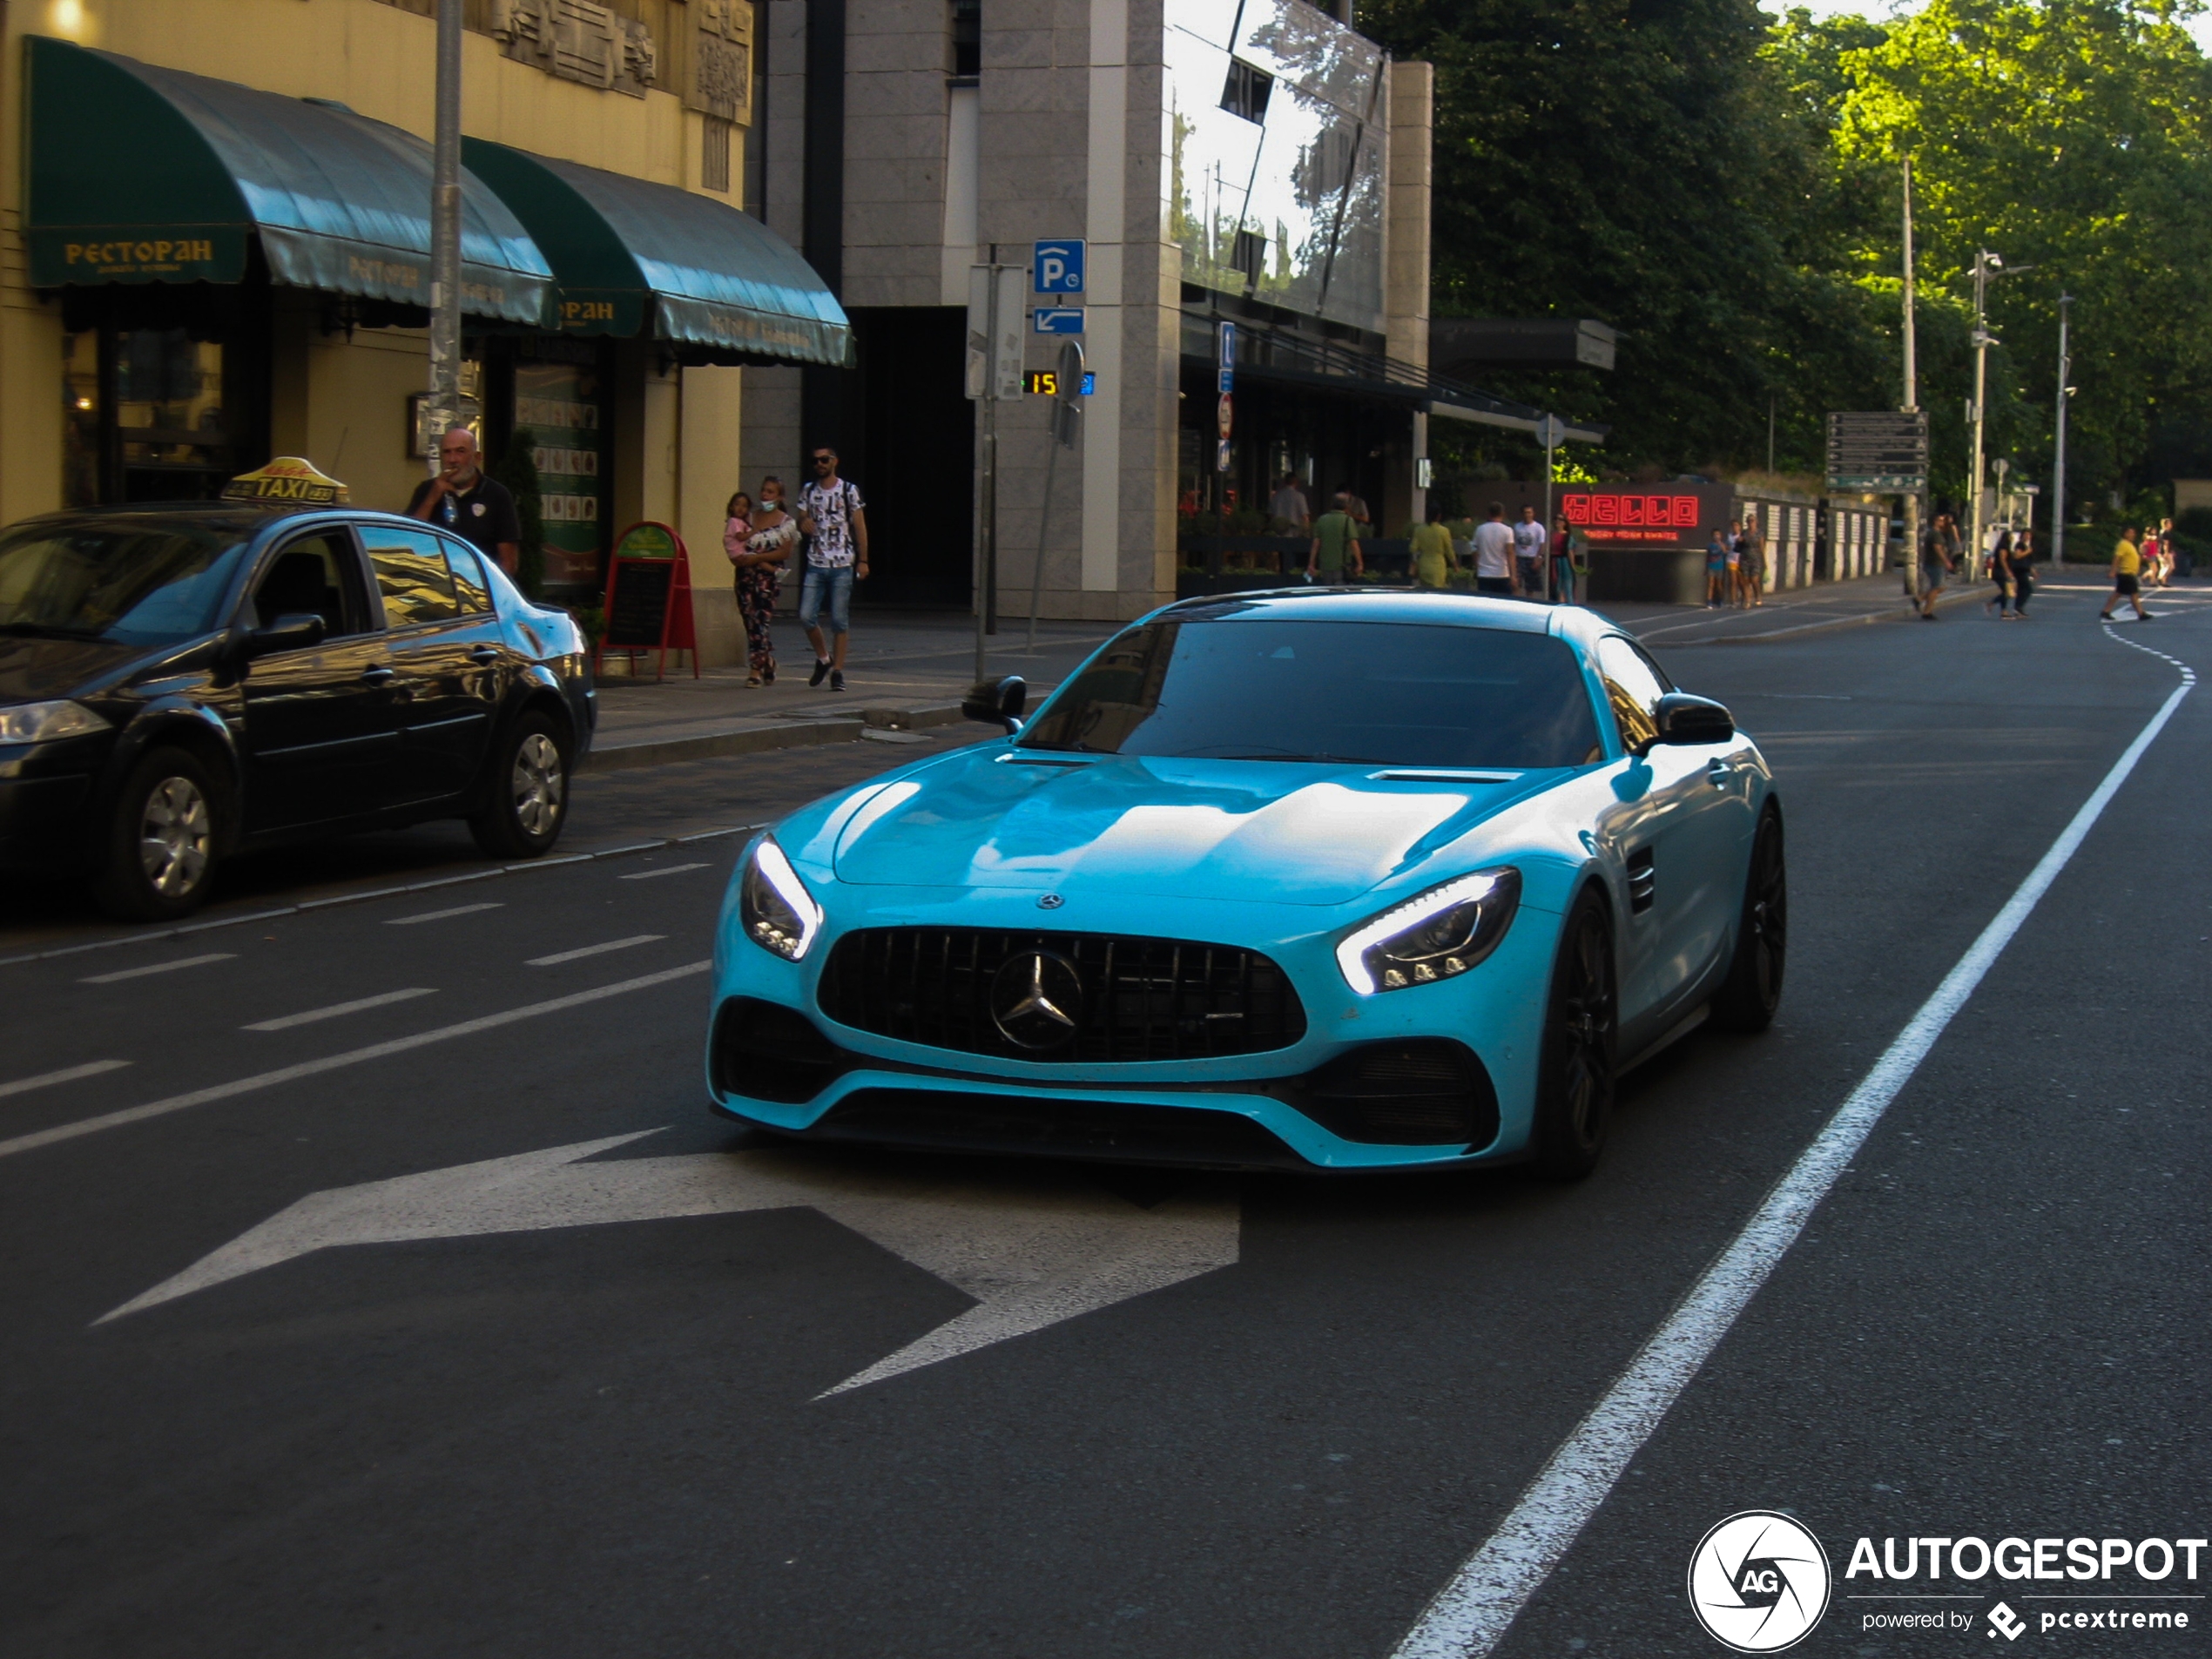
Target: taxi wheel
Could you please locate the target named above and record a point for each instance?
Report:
(1752, 991)
(526, 797)
(1575, 1073)
(159, 859)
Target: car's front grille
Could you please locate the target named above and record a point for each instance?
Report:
(1091, 997)
(944, 1120)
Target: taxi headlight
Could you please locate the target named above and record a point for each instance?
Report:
(45, 722)
(777, 911)
(1435, 935)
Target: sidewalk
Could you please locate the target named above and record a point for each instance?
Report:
(1792, 613)
(903, 670)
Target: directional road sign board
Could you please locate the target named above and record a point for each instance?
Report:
(1057, 267)
(1058, 320)
(1880, 450)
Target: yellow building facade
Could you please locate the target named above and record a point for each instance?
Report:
(623, 428)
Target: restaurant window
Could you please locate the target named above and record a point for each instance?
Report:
(558, 393)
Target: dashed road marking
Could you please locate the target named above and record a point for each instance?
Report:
(158, 968)
(582, 951)
(67, 1075)
(441, 915)
(673, 869)
(359, 1004)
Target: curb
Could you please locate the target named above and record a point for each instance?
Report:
(759, 739)
(1831, 625)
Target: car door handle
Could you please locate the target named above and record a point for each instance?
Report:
(378, 676)
(484, 654)
(1718, 772)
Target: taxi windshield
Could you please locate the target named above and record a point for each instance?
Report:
(1273, 688)
(130, 582)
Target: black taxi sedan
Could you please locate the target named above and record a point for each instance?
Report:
(179, 682)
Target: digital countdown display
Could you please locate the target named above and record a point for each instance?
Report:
(1629, 516)
(1045, 382)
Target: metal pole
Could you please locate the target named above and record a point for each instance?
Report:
(2058, 463)
(1912, 395)
(1981, 386)
(1549, 448)
(445, 230)
(987, 508)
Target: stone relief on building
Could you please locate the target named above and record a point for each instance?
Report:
(721, 78)
(578, 40)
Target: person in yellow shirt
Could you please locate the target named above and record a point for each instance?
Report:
(2126, 567)
(1432, 554)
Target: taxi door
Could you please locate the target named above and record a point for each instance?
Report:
(446, 649)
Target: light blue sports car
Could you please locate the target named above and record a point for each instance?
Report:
(1316, 881)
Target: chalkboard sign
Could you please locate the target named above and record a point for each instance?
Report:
(637, 603)
(649, 596)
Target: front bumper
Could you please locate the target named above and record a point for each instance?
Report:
(42, 822)
(1308, 1106)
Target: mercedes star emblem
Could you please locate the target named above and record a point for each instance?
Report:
(1050, 901)
(1034, 999)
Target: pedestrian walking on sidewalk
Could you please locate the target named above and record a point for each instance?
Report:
(1528, 553)
(2000, 572)
(1335, 545)
(759, 551)
(835, 521)
(1433, 559)
(1716, 562)
(1752, 566)
(1566, 544)
(2127, 572)
(1493, 560)
(1937, 559)
(2021, 558)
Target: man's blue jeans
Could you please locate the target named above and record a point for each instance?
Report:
(835, 585)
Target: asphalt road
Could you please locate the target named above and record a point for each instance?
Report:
(448, 1417)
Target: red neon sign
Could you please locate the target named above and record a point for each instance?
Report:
(1609, 511)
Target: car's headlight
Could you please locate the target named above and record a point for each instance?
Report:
(44, 722)
(779, 914)
(1440, 933)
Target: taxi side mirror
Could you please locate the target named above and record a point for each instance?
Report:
(997, 701)
(295, 631)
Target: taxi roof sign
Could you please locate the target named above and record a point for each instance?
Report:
(287, 478)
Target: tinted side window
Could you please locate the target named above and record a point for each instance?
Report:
(313, 576)
(469, 590)
(411, 574)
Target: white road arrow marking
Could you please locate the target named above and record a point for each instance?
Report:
(1032, 1253)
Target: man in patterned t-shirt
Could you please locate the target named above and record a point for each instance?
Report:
(831, 513)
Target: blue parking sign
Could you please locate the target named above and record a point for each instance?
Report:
(1057, 267)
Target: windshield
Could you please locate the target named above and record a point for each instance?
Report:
(1386, 693)
(134, 584)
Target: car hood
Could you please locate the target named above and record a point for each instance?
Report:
(36, 671)
(1280, 833)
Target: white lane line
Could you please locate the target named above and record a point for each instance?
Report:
(67, 1075)
(441, 915)
(158, 968)
(673, 869)
(333, 1062)
(578, 955)
(1473, 1612)
(288, 1021)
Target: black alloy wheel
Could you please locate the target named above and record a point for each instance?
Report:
(163, 842)
(526, 793)
(1752, 990)
(1574, 1076)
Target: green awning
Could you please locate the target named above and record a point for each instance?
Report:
(137, 173)
(631, 258)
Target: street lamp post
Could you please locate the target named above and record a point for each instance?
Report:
(1987, 267)
(1912, 404)
(445, 232)
(2058, 463)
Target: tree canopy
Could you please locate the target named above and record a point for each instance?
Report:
(1725, 187)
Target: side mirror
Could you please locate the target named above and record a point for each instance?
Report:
(997, 701)
(1684, 718)
(293, 631)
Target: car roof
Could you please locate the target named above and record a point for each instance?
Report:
(1389, 604)
(238, 518)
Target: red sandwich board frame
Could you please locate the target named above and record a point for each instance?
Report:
(677, 629)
